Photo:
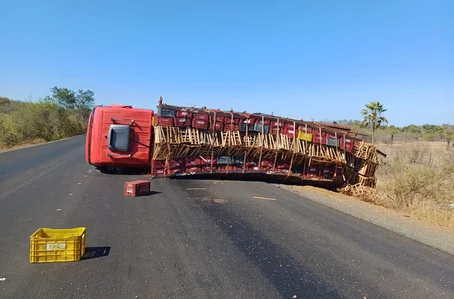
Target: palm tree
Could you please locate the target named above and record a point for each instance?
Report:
(393, 133)
(373, 117)
(449, 137)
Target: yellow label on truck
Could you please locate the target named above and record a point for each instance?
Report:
(304, 136)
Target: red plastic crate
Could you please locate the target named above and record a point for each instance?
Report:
(338, 174)
(176, 166)
(164, 121)
(217, 123)
(228, 120)
(218, 118)
(303, 129)
(276, 131)
(182, 121)
(137, 188)
(157, 167)
(283, 166)
(207, 168)
(194, 169)
(312, 171)
(193, 161)
(229, 127)
(238, 167)
(224, 167)
(290, 132)
(264, 121)
(206, 160)
(249, 121)
(182, 113)
(349, 143)
(200, 124)
(328, 172)
(267, 165)
(274, 124)
(316, 138)
(219, 126)
(201, 116)
(253, 168)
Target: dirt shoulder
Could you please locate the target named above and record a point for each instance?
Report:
(36, 142)
(398, 222)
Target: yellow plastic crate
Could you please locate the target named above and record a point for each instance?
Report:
(304, 136)
(49, 245)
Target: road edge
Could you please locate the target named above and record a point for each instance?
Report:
(38, 144)
(384, 218)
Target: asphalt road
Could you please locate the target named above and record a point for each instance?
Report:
(214, 240)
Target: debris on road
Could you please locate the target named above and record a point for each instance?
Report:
(137, 188)
(48, 245)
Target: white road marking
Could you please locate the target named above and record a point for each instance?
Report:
(264, 198)
(2, 278)
(70, 194)
(191, 189)
(58, 210)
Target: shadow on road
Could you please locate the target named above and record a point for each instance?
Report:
(95, 252)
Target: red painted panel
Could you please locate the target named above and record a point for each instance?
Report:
(138, 155)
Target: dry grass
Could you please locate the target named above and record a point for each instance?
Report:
(34, 141)
(418, 178)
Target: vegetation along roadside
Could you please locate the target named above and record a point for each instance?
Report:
(62, 114)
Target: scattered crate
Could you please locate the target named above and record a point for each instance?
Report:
(137, 188)
(49, 245)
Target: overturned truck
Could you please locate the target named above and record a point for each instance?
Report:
(199, 142)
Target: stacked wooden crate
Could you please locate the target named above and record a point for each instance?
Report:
(189, 140)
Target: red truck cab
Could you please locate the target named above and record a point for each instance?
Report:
(119, 136)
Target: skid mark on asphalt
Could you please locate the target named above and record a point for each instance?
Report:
(263, 198)
(219, 201)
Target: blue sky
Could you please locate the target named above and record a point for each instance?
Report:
(312, 59)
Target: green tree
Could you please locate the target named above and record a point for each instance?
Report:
(373, 118)
(85, 100)
(81, 102)
(64, 97)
